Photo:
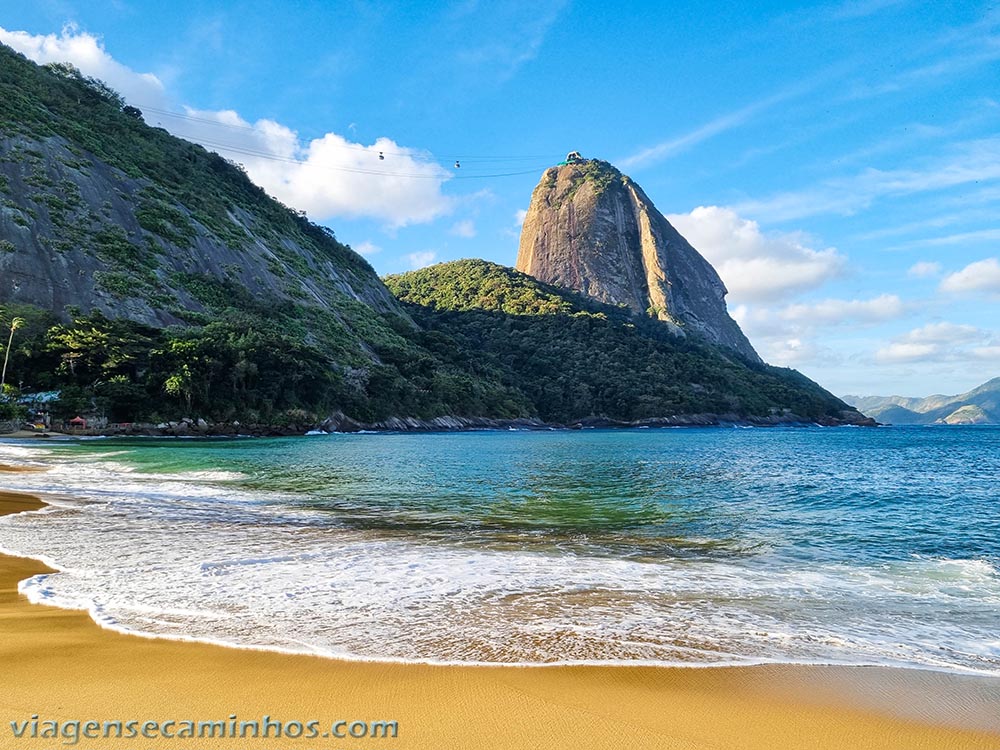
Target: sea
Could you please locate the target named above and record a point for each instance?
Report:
(688, 546)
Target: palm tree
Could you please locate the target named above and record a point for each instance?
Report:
(14, 325)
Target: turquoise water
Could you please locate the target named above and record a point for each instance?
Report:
(698, 546)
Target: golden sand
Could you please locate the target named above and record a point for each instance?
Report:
(60, 665)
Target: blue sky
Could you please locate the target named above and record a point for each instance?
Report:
(838, 163)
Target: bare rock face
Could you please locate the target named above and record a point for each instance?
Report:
(72, 235)
(592, 229)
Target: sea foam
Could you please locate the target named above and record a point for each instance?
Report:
(225, 555)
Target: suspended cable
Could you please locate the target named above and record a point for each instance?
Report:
(347, 146)
(442, 174)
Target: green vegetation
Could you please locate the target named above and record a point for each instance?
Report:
(599, 173)
(466, 285)
(490, 342)
(473, 339)
(58, 101)
(267, 362)
(161, 218)
(573, 357)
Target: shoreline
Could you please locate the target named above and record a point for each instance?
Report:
(341, 424)
(60, 663)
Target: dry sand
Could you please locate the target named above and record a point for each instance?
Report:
(60, 665)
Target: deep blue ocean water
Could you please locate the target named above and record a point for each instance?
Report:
(695, 546)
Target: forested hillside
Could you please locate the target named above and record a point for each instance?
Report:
(145, 279)
(573, 357)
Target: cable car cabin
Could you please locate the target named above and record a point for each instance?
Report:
(573, 157)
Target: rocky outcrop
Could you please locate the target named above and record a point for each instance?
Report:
(76, 232)
(101, 212)
(341, 423)
(592, 229)
(968, 414)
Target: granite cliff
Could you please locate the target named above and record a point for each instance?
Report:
(100, 212)
(592, 229)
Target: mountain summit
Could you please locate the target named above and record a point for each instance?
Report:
(592, 229)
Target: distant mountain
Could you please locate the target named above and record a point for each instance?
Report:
(979, 406)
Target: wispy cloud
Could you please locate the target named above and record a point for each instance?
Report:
(951, 53)
(794, 335)
(843, 312)
(941, 221)
(960, 238)
(844, 11)
(936, 72)
(924, 269)
(733, 120)
(505, 35)
(983, 113)
(419, 260)
(939, 342)
(710, 129)
(465, 228)
(968, 163)
(852, 9)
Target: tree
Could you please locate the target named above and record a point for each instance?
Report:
(14, 325)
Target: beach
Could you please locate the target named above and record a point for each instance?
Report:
(61, 666)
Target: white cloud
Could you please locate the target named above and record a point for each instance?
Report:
(514, 230)
(367, 248)
(941, 342)
(465, 228)
(754, 265)
(905, 351)
(797, 352)
(837, 311)
(784, 342)
(797, 335)
(419, 260)
(800, 321)
(981, 276)
(327, 177)
(86, 52)
(680, 143)
(945, 333)
(986, 352)
(923, 269)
